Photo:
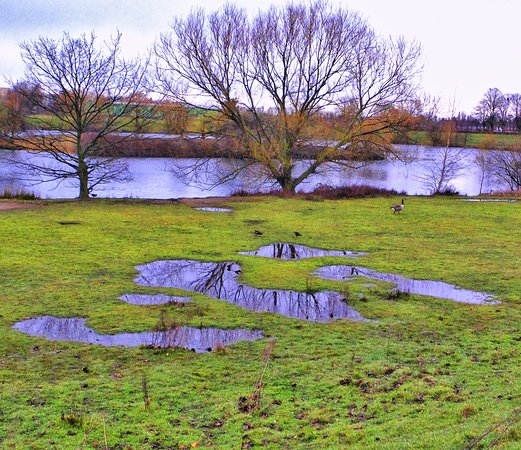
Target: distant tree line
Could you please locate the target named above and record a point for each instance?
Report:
(496, 112)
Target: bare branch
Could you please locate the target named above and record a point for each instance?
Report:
(290, 76)
(84, 94)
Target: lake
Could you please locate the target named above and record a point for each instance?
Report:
(152, 177)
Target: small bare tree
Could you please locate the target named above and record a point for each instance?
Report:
(175, 115)
(515, 110)
(270, 79)
(505, 168)
(482, 163)
(85, 95)
(446, 164)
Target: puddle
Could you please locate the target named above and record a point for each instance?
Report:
(220, 281)
(490, 200)
(287, 251)
(213, 209)
(155, 299)
(74, 330)
(422, 287)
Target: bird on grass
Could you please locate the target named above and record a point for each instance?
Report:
(297, 234)
(257, 232)
(398, 208)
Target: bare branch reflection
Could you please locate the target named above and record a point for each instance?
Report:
(421, 287)
(219, 280)
(75, 330)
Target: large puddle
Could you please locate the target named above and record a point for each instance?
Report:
(409, 285)
(288, 251)
(220, 281)
(75, 330)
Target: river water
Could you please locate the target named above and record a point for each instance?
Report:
(153, 177)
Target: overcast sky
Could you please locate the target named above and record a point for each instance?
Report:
(468, 46)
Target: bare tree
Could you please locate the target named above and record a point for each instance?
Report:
(482, 163)
(444, 166)
(505, 167)
(490, 108)
(515, 109)
(176, 116)
(272, 77)
(14, 108)
(86, 94)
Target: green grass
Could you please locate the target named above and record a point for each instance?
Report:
(427, 373)
(485, 141)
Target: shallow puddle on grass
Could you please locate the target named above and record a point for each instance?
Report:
(288, 251)
(490, 200)
(214, 209)
(75, 330)
(220, 281)
(153, 299)
(422, 287)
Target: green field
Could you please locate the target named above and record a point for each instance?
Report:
(484, 141)
(426, 373)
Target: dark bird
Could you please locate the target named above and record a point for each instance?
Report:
(257, 232)
(297, 234)
(398, 208)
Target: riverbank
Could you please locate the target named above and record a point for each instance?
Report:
(156, 145)
(481, 141)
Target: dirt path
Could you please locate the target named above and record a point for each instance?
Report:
(5, 206)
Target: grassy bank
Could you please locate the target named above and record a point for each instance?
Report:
(484, 141)
(426, 373)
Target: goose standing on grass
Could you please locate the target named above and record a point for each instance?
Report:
(398, 208)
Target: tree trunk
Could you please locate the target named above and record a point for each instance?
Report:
(83, 176)
(287, 182)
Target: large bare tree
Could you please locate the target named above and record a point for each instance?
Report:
(491, 108)
(273, 78)
(86, 95)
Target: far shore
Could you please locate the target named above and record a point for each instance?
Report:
(154, 145)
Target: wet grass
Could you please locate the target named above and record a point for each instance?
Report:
(428, 373)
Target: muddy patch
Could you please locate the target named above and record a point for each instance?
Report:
(6, 205)
(436, 289)
(220, 281)
(153, 299)
(75, 330)
(288, 251)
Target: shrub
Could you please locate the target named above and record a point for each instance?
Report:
(19, 194)
(350, 191)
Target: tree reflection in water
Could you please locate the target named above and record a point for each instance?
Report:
(421, 287)
(288, 251)
(75, 330)
(220, 281)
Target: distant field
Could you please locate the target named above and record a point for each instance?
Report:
(425, 373)
(475, 140)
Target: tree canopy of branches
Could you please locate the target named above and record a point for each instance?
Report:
(85, 94)
(505, 167)
(274, 77)
(492, 109)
